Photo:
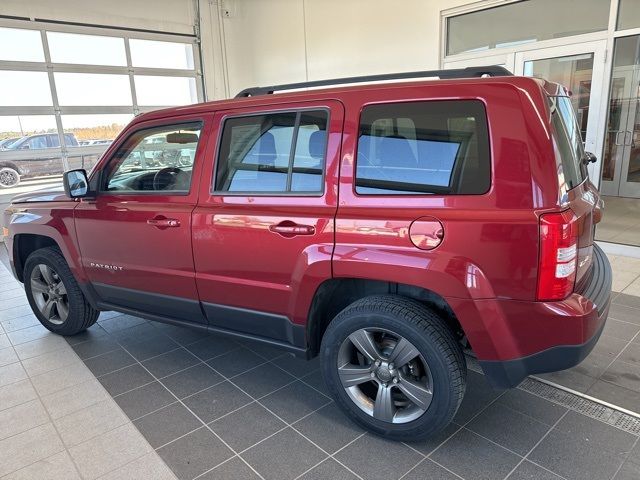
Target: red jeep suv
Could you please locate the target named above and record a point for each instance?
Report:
(384, 227)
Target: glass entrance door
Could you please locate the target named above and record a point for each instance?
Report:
(580, 68)
(621, 168)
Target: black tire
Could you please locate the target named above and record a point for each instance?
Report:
(9, 177)
(81, 315)
(428, 334)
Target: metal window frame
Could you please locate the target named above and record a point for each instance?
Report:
(129, 69)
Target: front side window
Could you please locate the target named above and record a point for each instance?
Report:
(435, 147)
(273, 153)
(155, 160)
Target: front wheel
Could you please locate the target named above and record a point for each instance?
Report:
(9, 177)
(54, 294)
(394, 367)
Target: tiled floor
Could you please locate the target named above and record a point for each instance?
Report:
(621, 221)
(135, 399)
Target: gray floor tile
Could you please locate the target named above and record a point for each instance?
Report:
(479, 394)
(145, 399)
(192, 380)
(559, 453)
(623, 374)
(631, 355)
(298, 367)
(329, 428)
(15, 312)
(147, 467)
(91, 333)
(262, 380)
(513, 430)
(212, 346)
(87, 423)
(169, 363)
(570, 378)
(109, 451)
(236, 361)
(28, 334)
(57, 467)
(594, 365)
(430, 470)
(474, 457)
(109, 362)
(536, 407)
(315, 380)
(610, 346)
(284, 456)
(16, 394)
(120, 322)
(629, 471)
(8, 355)
(374, 458)
(329, 469)
(139, 333)
(11, 373)
(426, 447)
(97, 345)
(263, 349)
(182, 335)
(247, 426)
(19, 323)
(194, 453)
(294, 401)
(167, 424)
(611, 439)
(626, 308)
(530, 471)
(126, 379)
(21, 418)
(212, 403)
(234, 469)
(28, 447)
(634, 456)
(622, 330)
(151, 348)
(615, 395)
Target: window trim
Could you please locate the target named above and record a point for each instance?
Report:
(440, 193)
(298, 112)
(105, 170)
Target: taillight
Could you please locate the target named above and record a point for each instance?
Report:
(558, 255)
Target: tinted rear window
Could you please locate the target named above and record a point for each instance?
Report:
(435, 147)
(569, 141)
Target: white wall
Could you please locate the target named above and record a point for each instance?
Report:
(276, 41)
(176, 16)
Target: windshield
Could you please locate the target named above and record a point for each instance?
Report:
(568, 142)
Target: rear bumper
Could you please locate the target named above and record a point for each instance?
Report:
(567, 330)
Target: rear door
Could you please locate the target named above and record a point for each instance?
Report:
(263, 228)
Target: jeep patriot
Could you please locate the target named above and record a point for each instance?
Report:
(385, 228)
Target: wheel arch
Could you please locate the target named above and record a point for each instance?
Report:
(24, 244)
(335, 294)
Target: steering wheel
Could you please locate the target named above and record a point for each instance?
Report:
(165, 177)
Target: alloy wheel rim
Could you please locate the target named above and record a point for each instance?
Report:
(385, 375)
(8, 178)
(49, 294)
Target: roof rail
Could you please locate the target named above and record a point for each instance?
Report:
(469, 72)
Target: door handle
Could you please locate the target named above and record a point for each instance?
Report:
(161, 222)
(617, 137)
(291, 229)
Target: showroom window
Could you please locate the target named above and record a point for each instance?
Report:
(273, 153)
(438, 147)
(545, 19)
(81, 86)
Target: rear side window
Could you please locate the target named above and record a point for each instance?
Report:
(568, 140)
(435, 147)
(273, 153)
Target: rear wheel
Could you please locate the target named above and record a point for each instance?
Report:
(9, 177)
(54, 294)
(394, 367)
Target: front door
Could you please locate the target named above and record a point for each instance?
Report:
(580, 68)
(621, 172)
(263, 237)
(135, 235)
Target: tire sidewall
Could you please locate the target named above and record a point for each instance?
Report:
(60, 267)
(437, 415)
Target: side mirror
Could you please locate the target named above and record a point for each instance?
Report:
(25, 147)
(76, 183)
(589, 158)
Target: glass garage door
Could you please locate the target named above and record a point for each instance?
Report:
(67, 92)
